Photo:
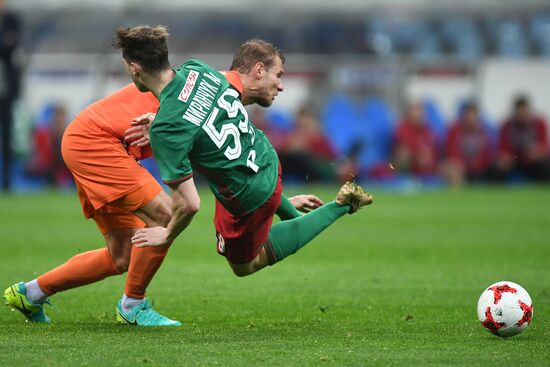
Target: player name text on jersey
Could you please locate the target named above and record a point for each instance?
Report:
(202, 102)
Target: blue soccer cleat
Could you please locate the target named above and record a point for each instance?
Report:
(143, 315)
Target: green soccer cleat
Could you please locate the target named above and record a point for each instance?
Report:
(16, 297)
(143, 315)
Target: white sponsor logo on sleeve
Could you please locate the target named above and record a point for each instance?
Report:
(189, 86)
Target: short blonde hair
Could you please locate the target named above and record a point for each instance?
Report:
(254, 51)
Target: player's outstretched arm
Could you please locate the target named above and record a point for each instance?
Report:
(185, 204)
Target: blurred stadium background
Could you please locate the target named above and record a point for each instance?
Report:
(355, 64)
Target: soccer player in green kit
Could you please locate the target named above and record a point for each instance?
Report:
(202, 125)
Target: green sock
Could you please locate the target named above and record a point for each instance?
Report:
(286, 210)
(285, 238)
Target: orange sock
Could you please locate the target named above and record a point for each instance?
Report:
(82, 269)
(144, 263)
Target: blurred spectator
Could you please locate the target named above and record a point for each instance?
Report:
(415, 144)
(9, 85)
(308, 153)
(46, 160)
(523, 144)
(308, 136)
(348, 167)
(469, 150)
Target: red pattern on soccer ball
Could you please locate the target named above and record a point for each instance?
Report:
(499, 289)
(490, 323)
(527, 313)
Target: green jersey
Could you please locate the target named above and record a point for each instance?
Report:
(202, 125)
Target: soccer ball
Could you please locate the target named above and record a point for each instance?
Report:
(505, 309)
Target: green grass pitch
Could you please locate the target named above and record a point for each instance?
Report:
(395, 284)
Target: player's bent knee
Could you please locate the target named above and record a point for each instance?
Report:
(254, 265)
(241, 273)
(242, 270)
(121, 263)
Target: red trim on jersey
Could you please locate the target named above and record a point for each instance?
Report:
(184, 178)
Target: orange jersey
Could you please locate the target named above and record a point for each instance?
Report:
(94, 150)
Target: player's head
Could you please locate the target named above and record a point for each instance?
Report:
(263, 63)
(522, 109)
(144, 51)
(415, 113)
(470, 113)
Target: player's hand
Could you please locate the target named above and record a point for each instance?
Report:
(145, 119)
(138, 134)
(305, 203)
(155, 236)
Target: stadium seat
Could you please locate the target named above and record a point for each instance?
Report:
(407, 33)
(45, 115)
(21, 182)
(462, 37)
(427, 49)
(341, 123)
(511, 39)
(280, 119)
(539, 32)
(377, 125)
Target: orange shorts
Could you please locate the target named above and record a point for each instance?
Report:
(103, 169)
(118, 214)
(111, 184)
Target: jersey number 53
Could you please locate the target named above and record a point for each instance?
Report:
(229, 102)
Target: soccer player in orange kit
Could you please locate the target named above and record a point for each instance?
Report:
(120, 196)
